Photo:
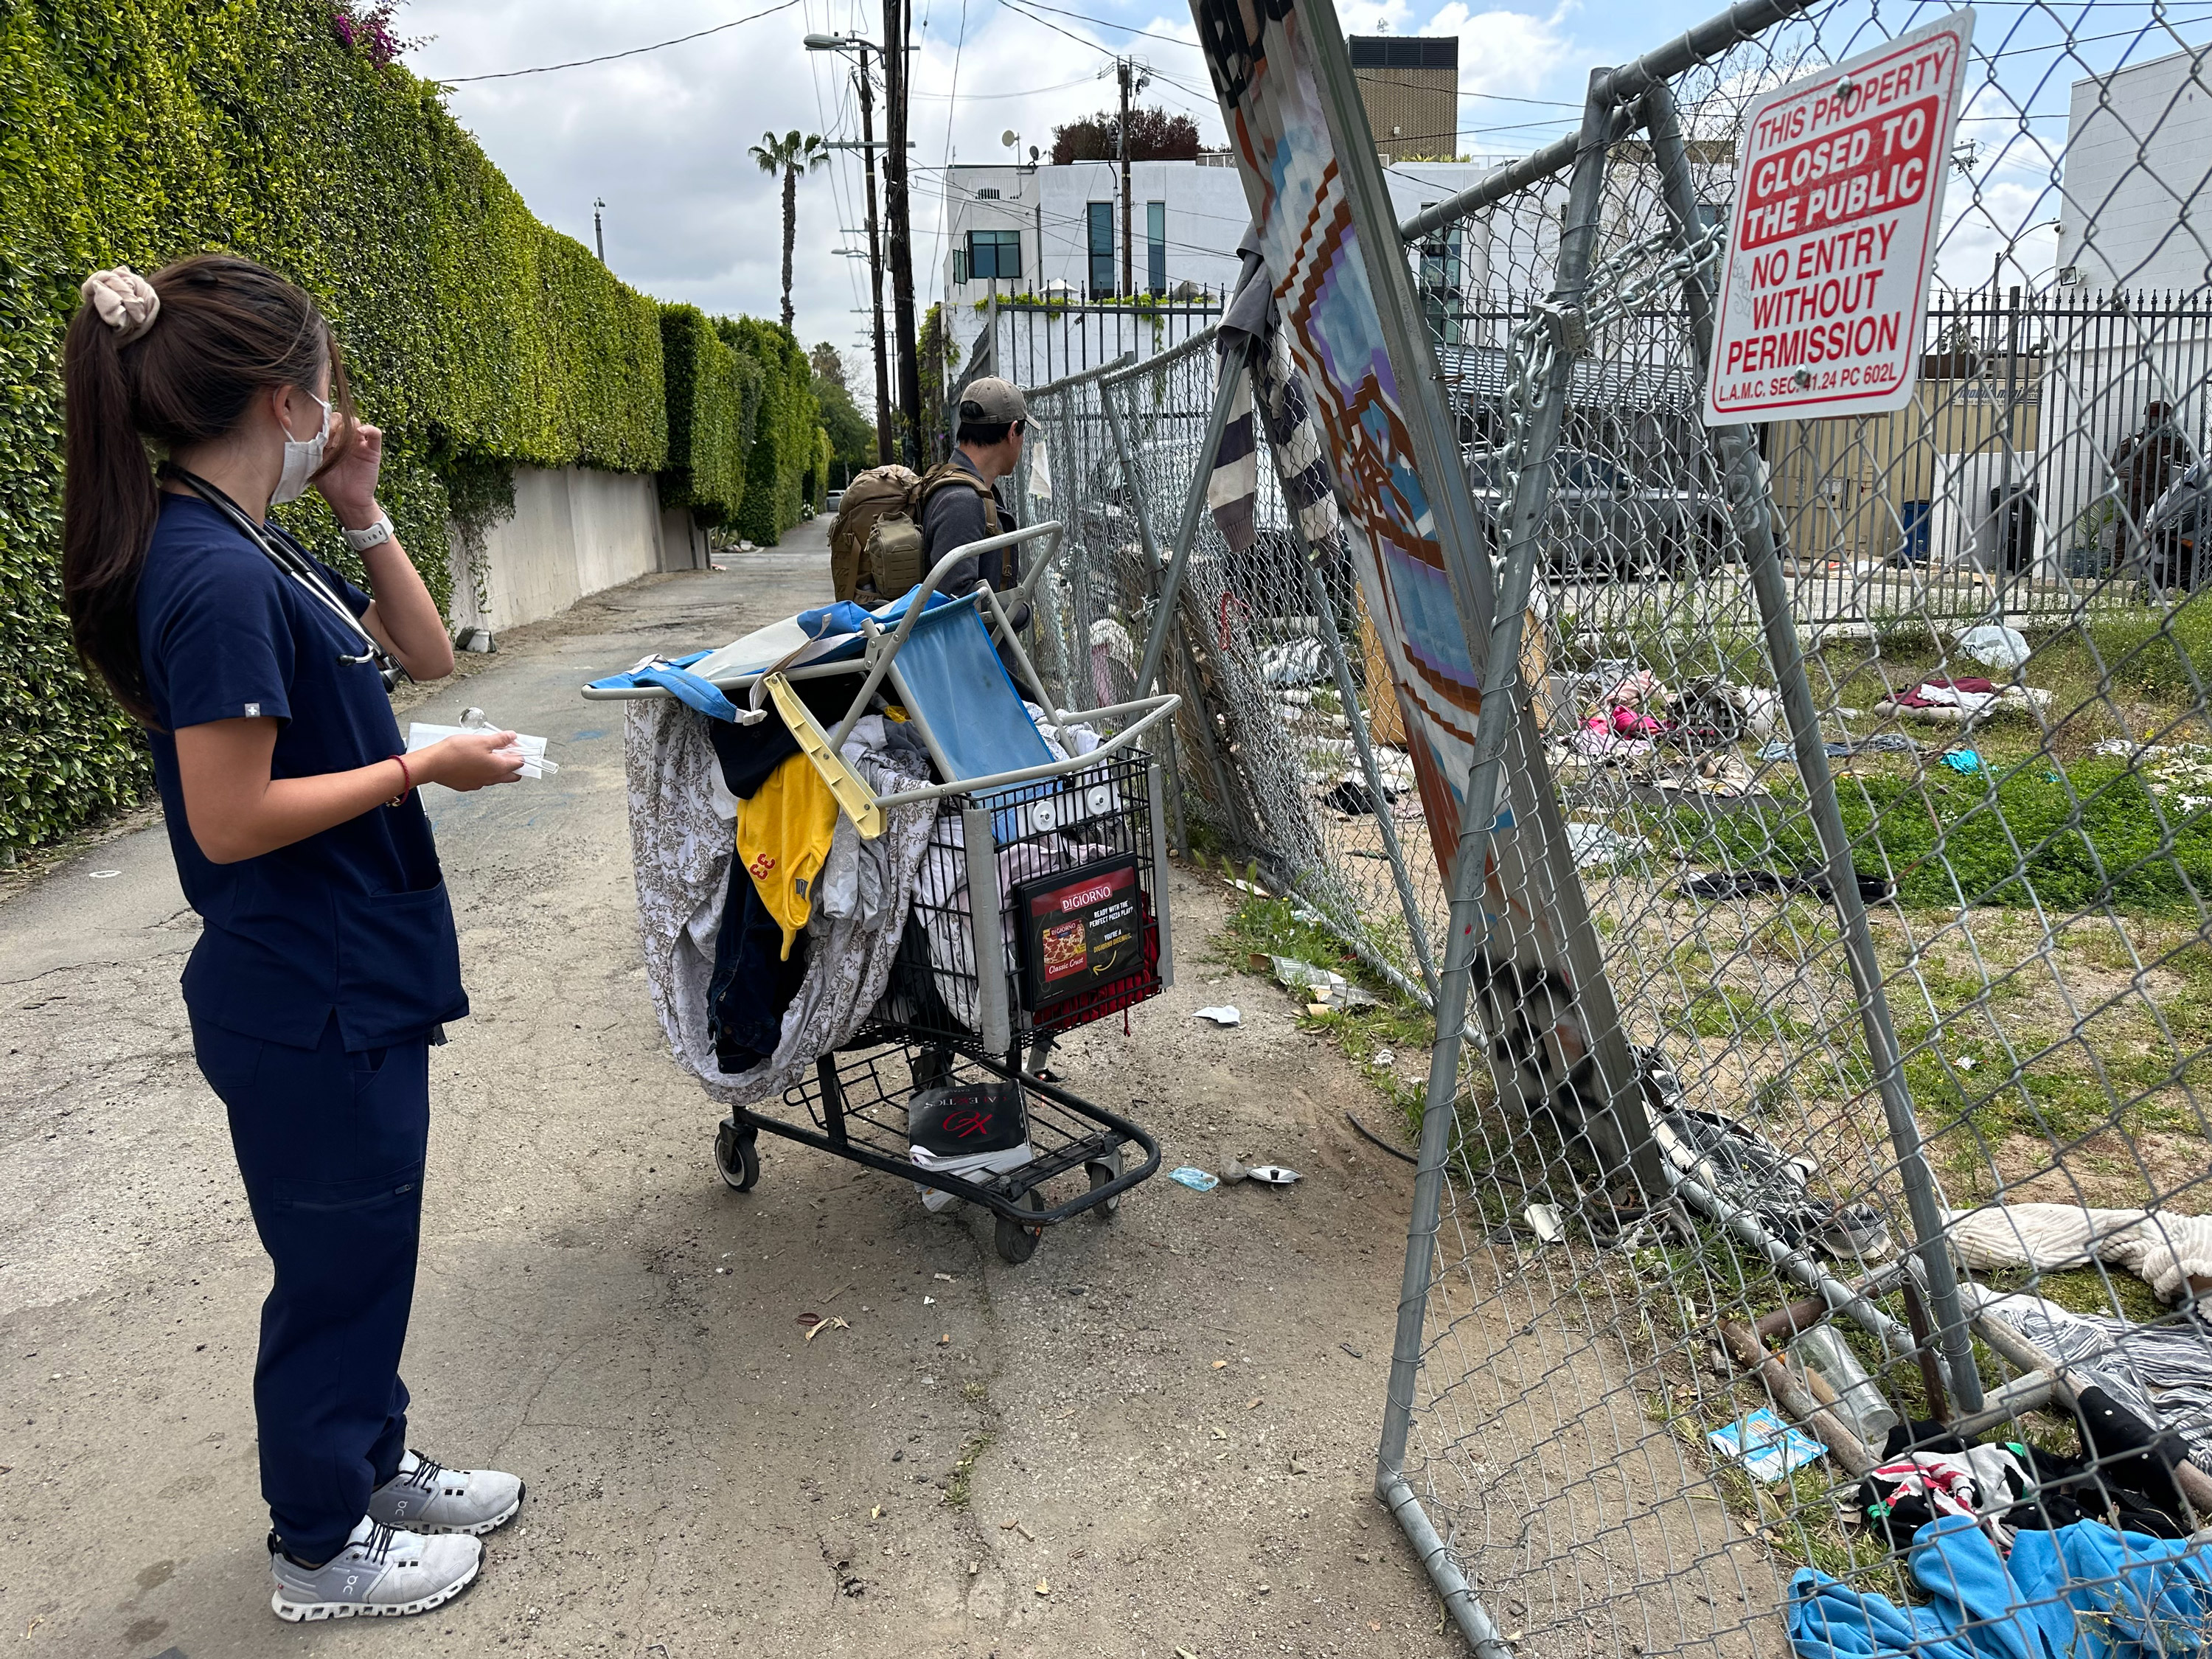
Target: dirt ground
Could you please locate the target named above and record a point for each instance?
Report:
(1158, 1435)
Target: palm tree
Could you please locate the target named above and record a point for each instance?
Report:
(790, 155)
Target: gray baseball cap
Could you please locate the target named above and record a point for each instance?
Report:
(989, 401)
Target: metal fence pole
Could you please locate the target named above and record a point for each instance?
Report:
(1467, 930)
(1137, 501)
(1325, 618)
(1753, 511)
(1232, 365)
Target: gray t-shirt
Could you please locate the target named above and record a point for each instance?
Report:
(953, 516)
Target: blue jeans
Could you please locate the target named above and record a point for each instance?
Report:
(330, 1146)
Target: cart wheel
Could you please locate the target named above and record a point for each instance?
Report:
(1102, 1170)
(1017, 1244)
(737, 1156)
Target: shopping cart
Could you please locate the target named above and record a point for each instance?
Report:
(1046, 909)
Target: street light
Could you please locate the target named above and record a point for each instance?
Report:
(860, 49)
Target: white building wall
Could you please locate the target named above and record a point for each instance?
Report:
(2132, 211)
(573, 532)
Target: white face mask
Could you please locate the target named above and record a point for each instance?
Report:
(300, 458)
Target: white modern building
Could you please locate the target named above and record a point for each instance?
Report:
(2133, 213)
(1056, 232)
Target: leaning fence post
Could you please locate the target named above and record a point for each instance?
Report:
(1224, 394)
(1151, 551)
(1751, 509)
(1417, 931)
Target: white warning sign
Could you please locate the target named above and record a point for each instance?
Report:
(1839, 196)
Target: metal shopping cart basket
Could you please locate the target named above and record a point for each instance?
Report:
(1040, 907)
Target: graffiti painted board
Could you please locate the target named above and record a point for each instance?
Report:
(1432, 604)
(1838, 202)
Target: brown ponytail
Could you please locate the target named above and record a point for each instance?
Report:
(227, 329)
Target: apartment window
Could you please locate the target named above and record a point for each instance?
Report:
(1156, 247)
(994, 253)
(1440, 284)
(1101, 247)
(959, 265)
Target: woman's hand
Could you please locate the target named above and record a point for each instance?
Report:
(348, 480)
(469, 760)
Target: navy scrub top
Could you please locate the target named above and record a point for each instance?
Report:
(353, 921)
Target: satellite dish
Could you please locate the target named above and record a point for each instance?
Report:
(1033, 152)
(1008, 138)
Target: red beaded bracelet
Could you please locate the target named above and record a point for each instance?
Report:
(406, 782)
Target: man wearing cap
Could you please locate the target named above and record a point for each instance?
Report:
(960, 498)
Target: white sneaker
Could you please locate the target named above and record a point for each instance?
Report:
(426, 1496)
(379, 1574)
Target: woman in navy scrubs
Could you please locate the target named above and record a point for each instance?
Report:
(327, 965)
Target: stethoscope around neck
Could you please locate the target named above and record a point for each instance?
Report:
(288, 556)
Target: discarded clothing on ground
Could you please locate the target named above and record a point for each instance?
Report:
(2162, 1372)
(2171, 1253)
(1721, 773)
(1961, 700)
(1749, 884)
(1712, 714)
(2083, 1591)
(2122, 1476)
(1742, 1167)
(1879, 743)
(683, 851)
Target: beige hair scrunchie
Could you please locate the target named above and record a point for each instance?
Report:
(125, 300)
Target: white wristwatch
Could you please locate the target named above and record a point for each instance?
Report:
(362, 540)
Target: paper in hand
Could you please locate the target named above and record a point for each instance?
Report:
(534, 763)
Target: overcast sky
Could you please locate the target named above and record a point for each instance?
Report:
(664, 136)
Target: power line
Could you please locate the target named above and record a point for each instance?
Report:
(609, 57)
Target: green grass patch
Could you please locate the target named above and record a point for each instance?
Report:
(957, 1489)
(2090, 839)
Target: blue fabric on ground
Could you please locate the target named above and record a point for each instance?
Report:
(2083, 1591)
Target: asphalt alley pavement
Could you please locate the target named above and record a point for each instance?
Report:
(1158, 1434)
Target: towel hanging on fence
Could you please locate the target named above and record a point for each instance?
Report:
(1301, 464)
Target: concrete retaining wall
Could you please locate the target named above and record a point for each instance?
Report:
(573, 532)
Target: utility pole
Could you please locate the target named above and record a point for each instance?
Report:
(901, 235)
(1126, 72)
(875, 263)
(599, 234)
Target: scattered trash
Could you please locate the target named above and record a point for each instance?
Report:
(1994, 646)
(821, 1325)
(105, 875)
(1244, 886)
(1767, 1447)
(1880, 743)
(1199, 1180)
(945, 1279)
(1543, 1220)
(1384, 1060)
(1594, 846)
(1353, 1352)
(1294, 662)
(1225, 1015)
(1219, 1363)
(1273, 1175)
(1962, 760)
(1747, 883)
(1965, 1062)
(1043, 1588)
(929, 1302)
(1823, 1352)
(1962, 701)
(1320, 985)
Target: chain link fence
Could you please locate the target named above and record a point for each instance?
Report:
(1814, 1268)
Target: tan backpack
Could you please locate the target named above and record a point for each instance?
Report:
(869, 498)
(892, 561)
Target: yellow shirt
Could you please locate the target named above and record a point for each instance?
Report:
(783, 839)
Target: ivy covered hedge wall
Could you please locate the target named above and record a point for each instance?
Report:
(714, 400)
(786, 434)
(135, 132)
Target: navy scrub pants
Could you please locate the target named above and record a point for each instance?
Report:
(330, 1146)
